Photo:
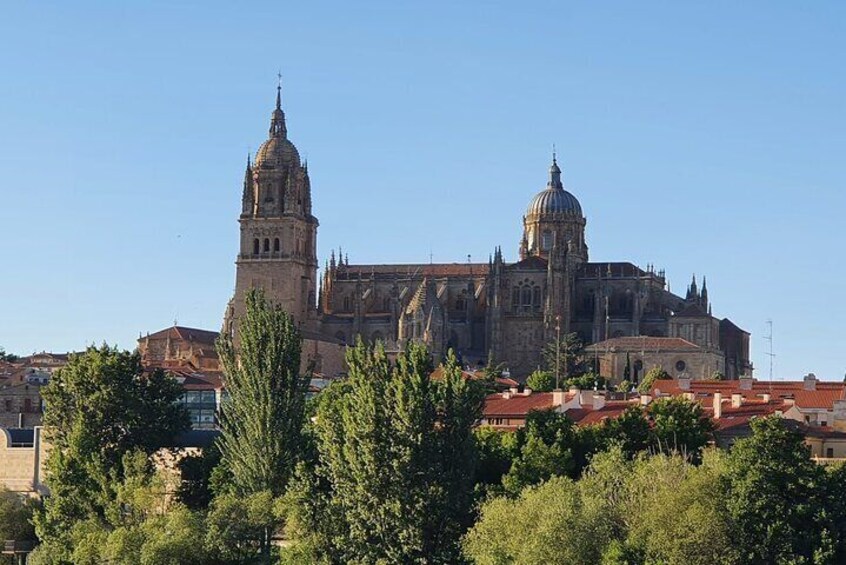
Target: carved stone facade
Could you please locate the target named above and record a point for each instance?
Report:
(507, 310)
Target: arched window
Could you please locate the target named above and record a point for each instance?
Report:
(276, 245)
(546, 240)
(346, 303)
(266, 245)
(536, 297)
(526, 296)
(255, 247)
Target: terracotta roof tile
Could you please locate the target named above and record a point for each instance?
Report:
(517, 406)
(185, 334)
(644, 343)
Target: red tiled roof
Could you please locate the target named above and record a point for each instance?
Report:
(822, 398)
(644, 343)
(517, 406)
(186, 334)
(611, 410)
(740, 416)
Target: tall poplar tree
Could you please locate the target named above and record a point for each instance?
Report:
(262, 419)
(396, 460)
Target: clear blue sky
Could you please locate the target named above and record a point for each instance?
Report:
(703, 137)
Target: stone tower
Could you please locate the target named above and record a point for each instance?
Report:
(278, 251)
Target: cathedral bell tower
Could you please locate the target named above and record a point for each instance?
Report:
(278, 251)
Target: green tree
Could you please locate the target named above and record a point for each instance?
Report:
(675, 512)
(776, 498)
(549, 523)
(717, 376)
(140, 526)
(652, 375)
(586, 381)
(99, 407)
(196, 470)
(8, 357)
(237, 526)
(679, 425)
(541, 381)
(630, 431)
(496, 450)
(549, 445)
(396, 459)
(566, 354)
(15, 516)
(261, 423)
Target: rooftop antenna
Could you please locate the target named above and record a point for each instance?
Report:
(770, 354)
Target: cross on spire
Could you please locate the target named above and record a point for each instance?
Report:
(279, 90)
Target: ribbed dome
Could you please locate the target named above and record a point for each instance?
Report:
(277, 151)
(554, 200)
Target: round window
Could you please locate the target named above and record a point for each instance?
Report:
(680, 366)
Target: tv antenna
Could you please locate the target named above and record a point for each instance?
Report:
(770, 354)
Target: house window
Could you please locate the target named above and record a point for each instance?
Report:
(266, 245)
(255, 247)
(829, 452)
(496, 421)
(346, 303)
(680, 365)
(276, 245)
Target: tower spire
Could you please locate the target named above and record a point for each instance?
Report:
(277, 118)
(554, 172)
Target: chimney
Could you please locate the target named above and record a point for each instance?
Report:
(736, 400)
(506, 394)
(745, 382)
(766, 397)
(598, 401)
(684, 382)
(810, 381)
(718, 405)
(645, 399)
(527, 391)
(558, 397)
(514, 390)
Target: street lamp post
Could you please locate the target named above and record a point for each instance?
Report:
(557, 352)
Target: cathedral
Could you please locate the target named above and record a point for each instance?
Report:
(509, 311)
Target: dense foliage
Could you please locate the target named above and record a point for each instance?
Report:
(100, 409)
(388, 466)
(262, 420)
(393, 480)
(764, 502)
